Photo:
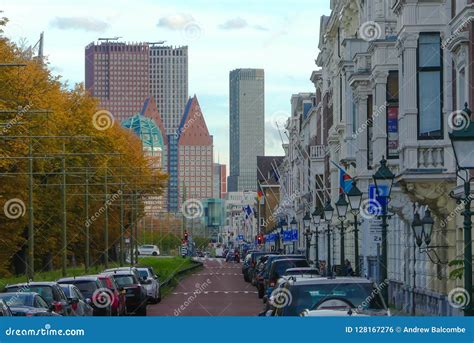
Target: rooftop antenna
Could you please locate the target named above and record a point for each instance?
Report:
(156, 43)
(108, 39)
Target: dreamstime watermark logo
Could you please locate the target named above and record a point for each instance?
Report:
(370, 31)
(192, 30)
(192, 208)
(370, 208)
(14, 208)
(279, 119)
(457, 32)
(457, 211)
(102, 297)
(375, 292)
(200, 288)
(281, 297)
(370, 121)
(188, 124)
(103, 120)
(458, 120)
(459, 298)
(101, 210)
(21, 112)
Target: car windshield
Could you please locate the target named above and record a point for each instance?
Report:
(66, 290)
(147, 246)
(46, 292)
(302, 272)
(87, 288)
(361, 295)
(17, 299)
(282, 266)
(124, 280)
(143, 273)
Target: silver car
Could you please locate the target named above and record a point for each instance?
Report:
(150, 250)
(151, 282)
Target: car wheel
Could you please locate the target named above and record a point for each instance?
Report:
(155, 253)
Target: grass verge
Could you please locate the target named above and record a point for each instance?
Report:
(168, 269)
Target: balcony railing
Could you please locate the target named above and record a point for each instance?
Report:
(317, 152)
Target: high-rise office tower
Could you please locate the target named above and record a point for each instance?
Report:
(247, 127)
(169, 83)
(195, 153)
(118, 75)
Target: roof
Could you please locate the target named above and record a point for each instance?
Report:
(324, 280)
(192, 128)
(37, 283)
(78, 278)
(147, 130)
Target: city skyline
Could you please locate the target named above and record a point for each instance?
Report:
(213, 36)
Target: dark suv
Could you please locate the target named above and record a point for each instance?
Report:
(136, 294)
(91, 288)
(51, 292)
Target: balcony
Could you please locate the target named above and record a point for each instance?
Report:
(317, 152)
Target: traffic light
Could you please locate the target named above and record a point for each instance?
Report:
(185, 236)
(259, 238)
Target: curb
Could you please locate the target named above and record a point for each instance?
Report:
(168, 280)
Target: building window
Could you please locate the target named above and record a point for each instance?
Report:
(430, 92)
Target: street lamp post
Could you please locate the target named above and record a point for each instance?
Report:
(307, 233)
(293, 227)
(355, 198)
(383, 179)
(328, 213)
(341, 207)
(417, 227)
(317, 214)
(284, 228)
(463, 145)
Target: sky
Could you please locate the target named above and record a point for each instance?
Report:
(280, 36)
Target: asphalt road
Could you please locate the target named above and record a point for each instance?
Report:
(218, 289)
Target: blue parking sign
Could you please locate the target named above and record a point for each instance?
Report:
(377, 203)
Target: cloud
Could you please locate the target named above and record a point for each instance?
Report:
(79, 23)
(260, 28)
(240, 23)
(234, 24)
(175, 21)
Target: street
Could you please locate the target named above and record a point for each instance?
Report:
(217, 289)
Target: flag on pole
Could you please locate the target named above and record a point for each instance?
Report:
(259, 196)
(345, 180)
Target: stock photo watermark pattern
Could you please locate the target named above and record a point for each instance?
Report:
(14, 208)
(192, 209)
(103, 120)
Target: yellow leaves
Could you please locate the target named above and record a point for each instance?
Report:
(113, 155)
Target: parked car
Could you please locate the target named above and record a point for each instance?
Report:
(5, 309)
(134, 270)
(100, 298)
(51, 292)
(80, 305)
(302, 271)
(149, 250)
(27, 304)
(266, 273)
(246, 265)
(119, 301)
(352, 294)
(136, 295)
(259, 278)
(253, 264)
(152, 284)
(279, 267)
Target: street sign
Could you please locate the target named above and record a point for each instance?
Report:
(240, 237)
(377, 203)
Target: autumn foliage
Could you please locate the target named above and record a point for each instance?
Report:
(60, 121)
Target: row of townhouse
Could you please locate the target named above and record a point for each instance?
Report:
(391, 75)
